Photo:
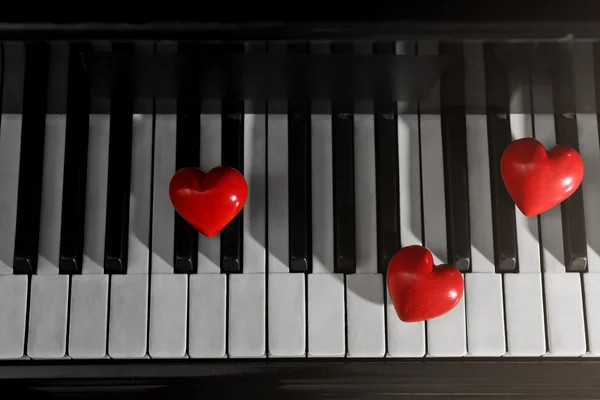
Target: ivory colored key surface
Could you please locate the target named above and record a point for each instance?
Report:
(208, 288)
(523, 298)
(89, 291)
(128, 325)
(48, 304)
(286, 302)
(483, 287)
(13, 288)
(168, 291)
(247, 292)
(446, 335)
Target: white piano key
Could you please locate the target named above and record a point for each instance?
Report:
(365, 192)
(168, 291)
(48, 305)
(286, 291)
(326, 311)
(483, 287)
(96, 192)
(52, 181)
(562, 290)
(247, 322)
(523, 295)
(564, 312)
(524, 307)
(364, 290)
(13, 288)
(255, 158)
(325, 291)
(88, 316)
(278, 193)
(207, 298)
(247, 292)
(407, 339)
(209, 249)
(127, 336)
(13, 310)
(286, 323)
(322, 194)
(91, 288)
(168, 316)
(446, 335)
(365, 313)
(163, 213)
(128, 324)
(589, 149)
(208, 289)
(485, 314)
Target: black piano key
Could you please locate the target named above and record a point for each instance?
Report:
(499, 137)
(300, 198)
(187, 155)
(344, 225)
(32, 157)
(75, 168)
(572, 209)
(299, 185)
(386, 175)
(232, 155)
(454, 142)
(116, 241)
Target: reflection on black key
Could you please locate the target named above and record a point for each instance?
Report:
(573, 222)
(75, 169)
(232, 155)
(299, 178)
(499, 137)
(343, 181)
(386, 173)
(32, 157)
(119, 169)
(454, 142)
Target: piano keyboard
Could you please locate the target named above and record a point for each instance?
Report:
(95, 263)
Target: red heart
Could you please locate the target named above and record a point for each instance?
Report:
(537, 179)
(418, 290)
(210, 201)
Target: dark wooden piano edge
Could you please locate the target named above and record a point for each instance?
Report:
(328, 30)
(563, 377)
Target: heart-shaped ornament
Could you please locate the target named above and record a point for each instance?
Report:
(210, 201)
(538, 180)
(420, 290)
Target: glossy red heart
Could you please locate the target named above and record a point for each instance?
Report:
(538, 180)
(210, 201)
(420, 291)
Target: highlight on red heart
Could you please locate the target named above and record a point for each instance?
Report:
(420, 290)
(208, 202)
(537, 179)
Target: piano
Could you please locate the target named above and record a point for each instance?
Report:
(358, 134)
